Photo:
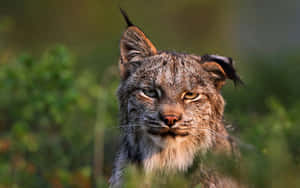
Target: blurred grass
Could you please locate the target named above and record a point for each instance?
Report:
(58, 125)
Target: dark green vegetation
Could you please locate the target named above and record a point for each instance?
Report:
(58, 110)
(56, 121)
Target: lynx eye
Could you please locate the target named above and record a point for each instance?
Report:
(151, 93)
(191, 96)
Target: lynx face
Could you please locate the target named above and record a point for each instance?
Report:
(170, 104)
(171, 98)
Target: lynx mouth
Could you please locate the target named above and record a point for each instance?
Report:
(164, 132)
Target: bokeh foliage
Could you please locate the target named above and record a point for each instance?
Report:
(41, 101)
(58, 109)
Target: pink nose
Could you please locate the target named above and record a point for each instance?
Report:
(170, 120)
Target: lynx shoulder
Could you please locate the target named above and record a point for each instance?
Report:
(171, 108)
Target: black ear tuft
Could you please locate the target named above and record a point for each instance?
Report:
(134, 46)
(227, 65)
(129, 23)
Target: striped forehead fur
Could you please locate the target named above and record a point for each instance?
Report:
(163, 128)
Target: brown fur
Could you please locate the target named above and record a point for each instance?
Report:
(153, 87)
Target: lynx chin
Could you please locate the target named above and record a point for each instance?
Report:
(171, 108)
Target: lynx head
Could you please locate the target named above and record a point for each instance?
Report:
(170, 98)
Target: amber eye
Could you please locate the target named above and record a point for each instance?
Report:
(151, 93)
(190, 96)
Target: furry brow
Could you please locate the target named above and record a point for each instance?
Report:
(128, 22)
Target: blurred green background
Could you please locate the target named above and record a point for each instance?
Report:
(59, 75)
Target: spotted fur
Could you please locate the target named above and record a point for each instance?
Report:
(169, 75)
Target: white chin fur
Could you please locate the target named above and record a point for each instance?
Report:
(166, 141)
(171, 154)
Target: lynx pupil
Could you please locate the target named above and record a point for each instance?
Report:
(152, 93)
(190, 95)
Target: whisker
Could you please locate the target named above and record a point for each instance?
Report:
(129, 126)
(149, 125)
(152, 122)
(230, 138)
(213, 132)
(182, 128)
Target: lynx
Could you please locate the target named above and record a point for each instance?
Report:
(171, 108)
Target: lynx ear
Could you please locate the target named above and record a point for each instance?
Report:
(134, 45)
(221, 68)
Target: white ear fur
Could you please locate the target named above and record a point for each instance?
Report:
(222, 68)
(134, 43)
(134, 46)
